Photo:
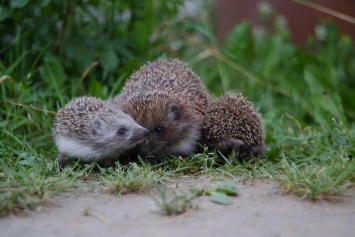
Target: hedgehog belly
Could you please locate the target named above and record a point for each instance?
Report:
(74, 148)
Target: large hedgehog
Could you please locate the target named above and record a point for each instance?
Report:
(86, 128)
(166, 97)
(233, 124)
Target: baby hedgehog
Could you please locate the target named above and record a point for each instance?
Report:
(233, 124)
(166, 97)
(86, 128)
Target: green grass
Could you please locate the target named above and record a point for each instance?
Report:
(305, 94)
(132, 178)
(176, 203)
(316, 164)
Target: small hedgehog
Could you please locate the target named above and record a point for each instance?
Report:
(233, 124)
(166, 97)
(86, 128)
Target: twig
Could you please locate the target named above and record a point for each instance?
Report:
(240, 68)
(327, 10)
(295, 121)
(30, 107)
(86, 72)
(3, 78)
(34, 123)
(87, 212)
(246, 72)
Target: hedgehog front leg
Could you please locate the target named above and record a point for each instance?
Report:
(62, 159)
(230, 145)
(240, 149)
(107, 162)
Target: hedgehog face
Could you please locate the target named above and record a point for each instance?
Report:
(117, 131)
(90, 130)
(175, 128)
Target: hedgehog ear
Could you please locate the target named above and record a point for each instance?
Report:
(173, 111)
(96, 125)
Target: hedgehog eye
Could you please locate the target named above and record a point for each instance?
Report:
(159, 130)
(121, 131)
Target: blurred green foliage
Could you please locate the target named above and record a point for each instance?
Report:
(316, 80)
(64, 39)
(55, 50)
(313, 83)
(80, 47)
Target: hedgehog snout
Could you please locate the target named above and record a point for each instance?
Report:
(140, 133)
(147, 133)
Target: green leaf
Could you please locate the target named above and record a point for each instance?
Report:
(95, 88)
(18, 3)
(52, 72)
(108, 60)
(10, 69)
(273, 57)
(44, 3)
(5, 13)
(220, 198)
(143, 28)
(239, 43)
(324, 97)
(228, 189)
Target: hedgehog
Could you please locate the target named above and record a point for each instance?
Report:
(88, 129)
(168, 98)
(234, 125)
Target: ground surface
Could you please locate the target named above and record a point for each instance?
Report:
(259, 210)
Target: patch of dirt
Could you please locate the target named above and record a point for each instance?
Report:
(259, 210)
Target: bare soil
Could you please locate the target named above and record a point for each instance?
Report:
(260, 210)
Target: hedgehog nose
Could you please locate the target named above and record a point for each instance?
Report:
(147, 133)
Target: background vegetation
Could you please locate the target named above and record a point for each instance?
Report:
(52, 51)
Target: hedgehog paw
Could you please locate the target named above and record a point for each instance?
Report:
(258, 151)
(238, 148)
(232, 145)
(61, 160)
(108, 162)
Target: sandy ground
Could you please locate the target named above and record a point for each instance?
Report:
(259, 210)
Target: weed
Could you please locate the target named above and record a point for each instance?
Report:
(204, 162)
(131, 178)
(322, 166)
(177, 203)
(328, 181)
